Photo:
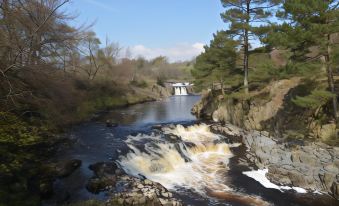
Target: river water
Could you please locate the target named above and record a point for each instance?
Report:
(198, 174)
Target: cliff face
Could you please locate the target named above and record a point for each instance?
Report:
(262, 106)
(269, 109)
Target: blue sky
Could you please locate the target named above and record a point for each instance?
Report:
(175, 28)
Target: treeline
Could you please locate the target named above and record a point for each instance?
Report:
(52, 75)
(296, 38)
(46, 64)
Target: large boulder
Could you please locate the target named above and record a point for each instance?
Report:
(314, 166)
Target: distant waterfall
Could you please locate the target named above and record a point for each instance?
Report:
(180, 90)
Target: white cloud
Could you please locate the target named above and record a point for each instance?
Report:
(179, 52)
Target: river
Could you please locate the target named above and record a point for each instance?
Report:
(211, 166)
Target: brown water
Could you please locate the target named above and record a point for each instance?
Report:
(206, 174)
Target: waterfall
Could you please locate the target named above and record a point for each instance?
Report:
(199, 165)
(183, 91)
(177, 91)
(180, 90)
(197, 160)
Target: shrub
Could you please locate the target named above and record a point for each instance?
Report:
(316, 99)
(141, 83)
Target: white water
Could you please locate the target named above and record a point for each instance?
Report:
(165, 162)
(201, 167)
(260, 176)
(180, 90)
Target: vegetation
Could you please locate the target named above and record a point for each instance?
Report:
(217, 62)
(53, 75)
(300, 39)
(308, 31)
(315, 100)
(243, 17)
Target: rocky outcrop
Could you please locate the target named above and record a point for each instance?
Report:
(310, 165)
(162, 92)
(126, 190)
(270, 109)
(53, 171)
(250, 113)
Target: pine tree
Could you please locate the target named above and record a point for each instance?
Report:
(309, 28)
(245, 16)
(217, 62)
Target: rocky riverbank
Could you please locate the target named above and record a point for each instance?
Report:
(309, 165)
(127, 190)
(271, 109)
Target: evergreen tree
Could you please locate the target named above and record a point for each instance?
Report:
(308, 31)
(218, 61)
(245, 17)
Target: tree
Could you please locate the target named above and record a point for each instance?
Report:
(92, 54)
(33, 34)
(244, 17)
(308, 31)
(218, 62)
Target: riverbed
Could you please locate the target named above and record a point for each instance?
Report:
(95, 142)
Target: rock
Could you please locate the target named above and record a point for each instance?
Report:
(142, 200)
(148, 182)
(312, 166)
(327, 179)
(121, 201)
(101, 169)
(157, 126)
(140, 186)
(96, 185)
(165, 194)
(66, 168)
(335, 190)
(129, 201)
(331, 168)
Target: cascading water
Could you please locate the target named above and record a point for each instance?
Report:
(198, 161)
(180, 91)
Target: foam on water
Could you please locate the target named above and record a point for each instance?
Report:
(177, 165)
(200, 165)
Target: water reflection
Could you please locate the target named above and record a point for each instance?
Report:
(173, 109)
(94, 142)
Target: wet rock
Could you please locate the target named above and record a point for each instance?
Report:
(157, 126)
(232, 132)
(102, 169)
(96, 185)
(140, 186)
(127, 190)
(147, 182)
(311, 166)
(66, 168)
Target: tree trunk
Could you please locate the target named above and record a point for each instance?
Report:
(330, 79)
(222, 86)
(246, 48)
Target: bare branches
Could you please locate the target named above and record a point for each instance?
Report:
(29, 31)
